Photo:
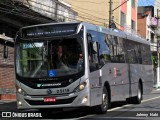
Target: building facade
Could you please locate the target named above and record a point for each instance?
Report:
(128, 15)
(57, 10)
(97, 12)
(147, 24)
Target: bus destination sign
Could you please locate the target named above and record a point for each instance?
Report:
(49, 30)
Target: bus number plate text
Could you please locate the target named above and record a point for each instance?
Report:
(49, 99)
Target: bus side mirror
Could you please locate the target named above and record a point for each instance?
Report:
(95, 47)
(89, 37)
(5, 51)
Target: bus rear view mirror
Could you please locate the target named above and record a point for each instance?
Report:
(5, 51)
(95, 50)
(89, 37)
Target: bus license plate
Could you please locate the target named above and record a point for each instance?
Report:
(49, 99)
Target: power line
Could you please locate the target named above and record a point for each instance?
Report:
(19, 14)
(46, 6)
(68, 17)
(120, 5)
(64, 11)
(27, 10)
(90, 15)
(87, 9)
(91, 2)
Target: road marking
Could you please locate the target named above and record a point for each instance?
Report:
(143, 101)
(85, 117)
(117, 108)
(150, 99)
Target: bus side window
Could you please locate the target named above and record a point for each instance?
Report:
(146, 55)
(117, 52)
(93, 47)
(93, 56)
(104, 52)
(131, 50)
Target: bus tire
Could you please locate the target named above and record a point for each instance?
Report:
(137, 99)
(101, 109)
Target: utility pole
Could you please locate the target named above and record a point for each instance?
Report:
(110, 12)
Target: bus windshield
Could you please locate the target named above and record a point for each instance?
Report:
(49, 58)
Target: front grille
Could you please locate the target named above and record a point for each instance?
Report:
(58, 102)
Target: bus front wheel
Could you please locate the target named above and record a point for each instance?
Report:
(101, 109)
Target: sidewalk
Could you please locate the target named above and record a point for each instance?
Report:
(8, 105)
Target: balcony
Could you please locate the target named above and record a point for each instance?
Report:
(153, 46)
(154, 22)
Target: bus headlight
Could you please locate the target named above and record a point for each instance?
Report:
(85, 99)
(19, 90)
(80, 87)
(19, 103)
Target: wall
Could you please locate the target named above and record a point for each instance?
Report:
(141, 23)
(95, 12)
(7, 84)
(131, 14)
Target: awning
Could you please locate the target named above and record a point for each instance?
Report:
(6, 40)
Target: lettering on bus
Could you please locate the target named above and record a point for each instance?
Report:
(49, 30)
(60, 91)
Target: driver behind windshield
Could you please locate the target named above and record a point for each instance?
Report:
(58, 60)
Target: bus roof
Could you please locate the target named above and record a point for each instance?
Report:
(101, 29)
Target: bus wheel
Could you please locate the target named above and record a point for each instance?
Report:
(137, 99)
(101, 109)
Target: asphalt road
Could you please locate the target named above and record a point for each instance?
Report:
(149, 109)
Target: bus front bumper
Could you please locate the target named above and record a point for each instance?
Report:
(37, 102)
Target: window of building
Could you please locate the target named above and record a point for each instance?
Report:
(133, 3)
(123, 19)
(133, 25)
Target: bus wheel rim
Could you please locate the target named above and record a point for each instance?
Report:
(104, 101)
(139, 94)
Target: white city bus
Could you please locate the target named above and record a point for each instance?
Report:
(64, 65)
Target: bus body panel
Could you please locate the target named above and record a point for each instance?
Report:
(147, 77)
(117, 74)
(95, 88)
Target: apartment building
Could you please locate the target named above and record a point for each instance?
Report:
(97, 12)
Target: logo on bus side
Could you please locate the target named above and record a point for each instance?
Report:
(49, 91)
